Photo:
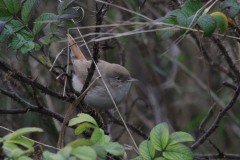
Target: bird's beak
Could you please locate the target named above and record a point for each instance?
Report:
(132, 80)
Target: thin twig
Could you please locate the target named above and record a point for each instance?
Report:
(217, 120)
(229, 85)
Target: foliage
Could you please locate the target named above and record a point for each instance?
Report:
(16, 33)
(163, 146)
(191, 15)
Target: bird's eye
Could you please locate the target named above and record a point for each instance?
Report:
(118, 78)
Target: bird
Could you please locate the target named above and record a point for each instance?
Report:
(117, 78)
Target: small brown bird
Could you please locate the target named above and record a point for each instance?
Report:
(117, 78)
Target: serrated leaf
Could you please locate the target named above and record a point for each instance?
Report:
(138, 158)
(147, 150)
(221, 20)
(82, 117)
(60, 32)
(86, 153)
(182, 18)
(27, 47)
(13, 5)
(228, 3)
(161, 35)
(67, 24)
(178, 137)
(79, 142)
(98, 136)
(69, 14)
(2, 25)
(23, 141)
(192, 6)
(234, 10)
(159, 136)
(17, 41)
(15, 25)
(24, 131)
(44, 17)
(45, 40)
(37, 47)
(5, 33)
(28, 9)
(114, 148)
(66, 152)
(5, 15)
(26, 35)
(179, 152)
(50, 28)
(63, 5)
(82, 127)
(101, 152)
(208, 24)
(55, 39)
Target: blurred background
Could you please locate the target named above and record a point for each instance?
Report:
(173, 86)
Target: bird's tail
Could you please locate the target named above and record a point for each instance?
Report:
(75, 50)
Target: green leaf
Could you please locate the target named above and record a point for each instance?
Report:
(114, 148)
(161, 35)
(45, 40)
(67, 24)
(208, 24)
(13, 5)
(28, 9)
(5, 33)
(160, 158)
(177, 137)
(2, 25)
(147, 150)
(138, 158)
(79, 142)
(234, 10)
(50, 28)
(2, 4)
(17, 41)
(82, 117)
(45, 60)
(17, 152)
(55, 39)
(15, 25)
(24, 158)
(98, 136)
(101, 152)
(228, 3)
(40, 22)
(37, 47)
(9, 146)
(47, 154)
(221, 20)
(26, 35)
(27, 47)
(5, 15)
(63, 5)
(60, 32)
(159, 136)
(66, 152)
(69, 14)
(82, 127)
(24, 142)
(179, 152)
(57, 157)
(192, 6)
(86, 153)
(24, 131)
(182, 18)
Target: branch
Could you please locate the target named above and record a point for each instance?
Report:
(213, 64)
(229, 85)
(19, 76)
(29, 107)
(217, 156)
(133, 128)
(229, 60)
(217, 120)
